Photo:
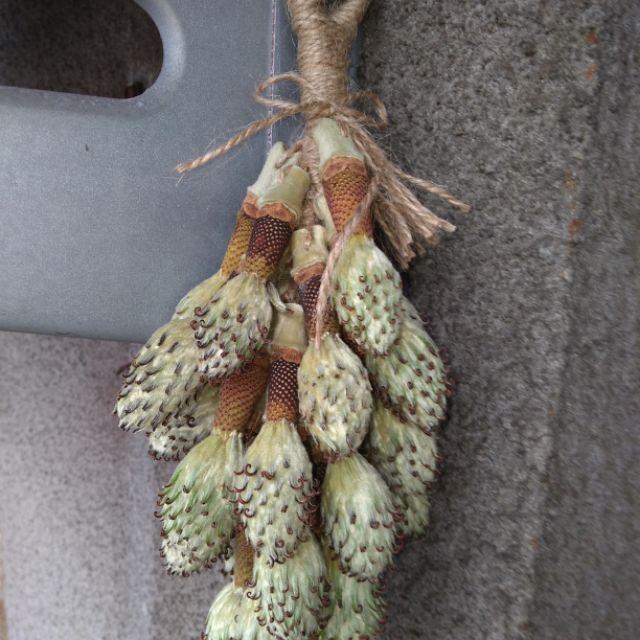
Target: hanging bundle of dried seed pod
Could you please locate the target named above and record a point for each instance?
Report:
(298, 380)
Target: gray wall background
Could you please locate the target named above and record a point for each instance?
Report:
(529, 110)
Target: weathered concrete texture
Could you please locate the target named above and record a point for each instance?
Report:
(79, 540)
(529, 110)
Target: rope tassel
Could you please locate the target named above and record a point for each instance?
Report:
(297, 381)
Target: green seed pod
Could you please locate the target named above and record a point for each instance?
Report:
(196, 513)
(162, 379)
(406, 458)
(358, 517)
(335, 396)
(356, 605)
(233, 326)
(274, 492)
(410, 377)
(366, 294)
(232, 617)
(292, 596)
(181, 431)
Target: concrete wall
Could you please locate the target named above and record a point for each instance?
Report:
(529, 110)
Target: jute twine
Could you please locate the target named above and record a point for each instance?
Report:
(325, 37)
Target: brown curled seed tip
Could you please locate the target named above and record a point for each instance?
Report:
(411, 378)
(292, 596)
(407, 459)
(195, 507)
(239, 394)
(356, 605)
(359, 516)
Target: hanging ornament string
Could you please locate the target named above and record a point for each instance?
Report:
(325, 38)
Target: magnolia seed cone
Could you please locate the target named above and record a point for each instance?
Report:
(292, 595)
(196, 513)
(406, 458)
(181, 431)
(233, 617)
(357, 610)
(358, 517)
(274, 492)
(410, 377)
(366, 294)
(335, 397)
(233, 326)
(162, 378)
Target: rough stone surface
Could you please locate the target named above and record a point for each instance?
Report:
(529, 110)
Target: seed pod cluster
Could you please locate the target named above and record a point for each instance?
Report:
(309, 443)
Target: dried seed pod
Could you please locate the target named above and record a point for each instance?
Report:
(234, 326)
(366, 286)
(292, 595)
(410, 377)
(196, 513)
(356, 605)
(162, 378)
(232, 617)
(236, 322)
(333, 387)
(335, 397)
(406, 458)
(359, 517)
(274, 491)
(367, 292)
(200, 295)
(182, 430)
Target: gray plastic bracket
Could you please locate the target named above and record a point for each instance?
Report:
(99, 237)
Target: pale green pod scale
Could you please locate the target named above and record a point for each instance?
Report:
(358, 517)
(274, 492)
(233, 617)
(199, 296)
(366, 294)
(233, 326)
(335, 396)
(195, 509)
(163, 377)
(292, 595)
(407, 459)
(410, 377)
(356, 605)
(181, 431)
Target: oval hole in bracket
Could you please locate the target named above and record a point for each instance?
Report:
(107, 48)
